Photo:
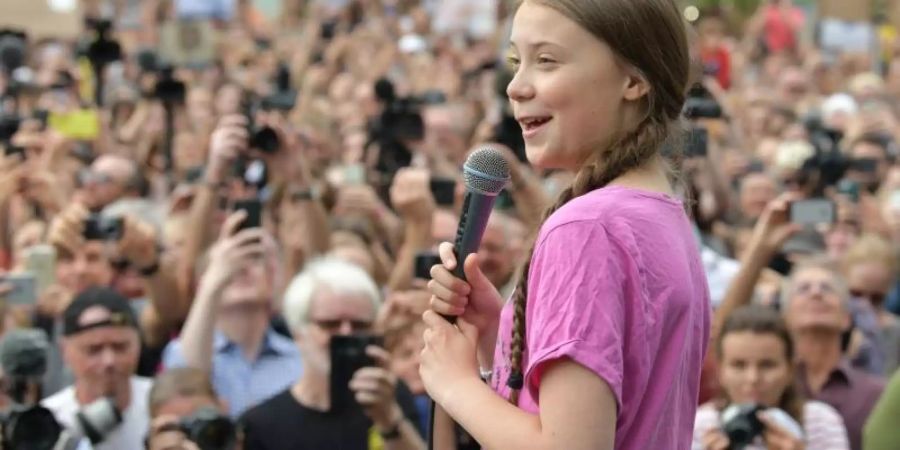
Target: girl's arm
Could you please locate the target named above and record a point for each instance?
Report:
(578, 411)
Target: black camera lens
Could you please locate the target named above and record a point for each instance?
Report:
(741, 425)
(210, 430)
(32, 428)
(265, 140)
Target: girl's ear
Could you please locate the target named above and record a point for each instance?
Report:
(636, 86)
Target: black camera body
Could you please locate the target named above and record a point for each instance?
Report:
(741, 425)
(700, 104)
(209, 429)
(32, 427)
(98, 228)
(168, 89)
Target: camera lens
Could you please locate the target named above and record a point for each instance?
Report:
(214, 434)
(33, 428)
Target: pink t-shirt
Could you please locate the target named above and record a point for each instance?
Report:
(616, 284)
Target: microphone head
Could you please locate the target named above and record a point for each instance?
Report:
(486, 171)
(23, 353)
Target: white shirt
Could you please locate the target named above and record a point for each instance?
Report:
(135, 420)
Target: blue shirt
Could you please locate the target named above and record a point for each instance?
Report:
(244, 384)
(205, 9)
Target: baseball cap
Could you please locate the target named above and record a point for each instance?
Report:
(120, 312)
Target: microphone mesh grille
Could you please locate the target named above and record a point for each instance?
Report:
(486, 171)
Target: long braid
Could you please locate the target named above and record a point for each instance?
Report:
(630, 152)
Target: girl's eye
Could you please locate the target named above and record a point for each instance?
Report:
(513, 61)
(545, 60)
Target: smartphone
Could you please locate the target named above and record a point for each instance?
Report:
(253, 207)
(98, 228)
(348, 355)
(697, 143)
(24, 291)
(354, 174)
(194, 174)
(423, 264)
(40, 260)
(444, 191)
(864, 165)
(813, 212)
(83, 124)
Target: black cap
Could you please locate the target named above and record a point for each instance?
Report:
(120, 312)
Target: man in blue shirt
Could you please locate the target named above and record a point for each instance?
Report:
(228, 331)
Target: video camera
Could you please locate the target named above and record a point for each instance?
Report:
(400, 122)
(103, 49)
(27, 424)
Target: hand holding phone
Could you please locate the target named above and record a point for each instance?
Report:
(22, 289)
(253, 208)
(348, 355)
(813, 212)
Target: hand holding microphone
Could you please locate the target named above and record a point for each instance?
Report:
(457, 285)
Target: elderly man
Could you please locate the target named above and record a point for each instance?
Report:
(334, 298)
(817, 310)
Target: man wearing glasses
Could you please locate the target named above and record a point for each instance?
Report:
(332, 298)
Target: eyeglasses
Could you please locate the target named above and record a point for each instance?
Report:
(807, 287)
(874, 297)
(88, 176)
(335, 325)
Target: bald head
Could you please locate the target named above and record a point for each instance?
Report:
(110, 178)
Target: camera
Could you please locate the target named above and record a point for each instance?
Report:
(700, 104)
(209, 429)
(98, 419)
(98, 228)
(103, 50)
(13, 49)
(740, 424)
(31, 427)
(400, 122)
(262, 138)
(168, 89)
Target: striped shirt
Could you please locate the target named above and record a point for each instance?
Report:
(822, 425)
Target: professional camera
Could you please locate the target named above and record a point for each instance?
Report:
(209, 429)
(103, 49)
(98, 228)
(168, 89)
(262, 138)
(741, 425)
(700, 104)
(26, 424)
(399, 123)
(13, 49)
(98, 419)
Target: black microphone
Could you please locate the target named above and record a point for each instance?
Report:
(485, 172)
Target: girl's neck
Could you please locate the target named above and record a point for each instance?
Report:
(651, 176)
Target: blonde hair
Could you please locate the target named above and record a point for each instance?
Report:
(870, 248)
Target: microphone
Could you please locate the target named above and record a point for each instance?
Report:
(23, 353)
(485, 174)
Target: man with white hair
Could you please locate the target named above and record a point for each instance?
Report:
(330, 298)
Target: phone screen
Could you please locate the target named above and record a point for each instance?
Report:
(813, 212)
(348, 355)
(23, 289)
(253, 208)
(82, 124)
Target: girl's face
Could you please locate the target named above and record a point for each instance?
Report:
(569, 90)
(754, 368)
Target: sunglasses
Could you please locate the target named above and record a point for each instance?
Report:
(874, 297)
(334, 325)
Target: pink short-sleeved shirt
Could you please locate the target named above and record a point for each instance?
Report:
(616, 284)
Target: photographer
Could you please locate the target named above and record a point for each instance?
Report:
(755, 354)
(185, 409)
(101, 345)
(332, 299)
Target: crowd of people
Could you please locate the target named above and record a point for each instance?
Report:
(199, 200)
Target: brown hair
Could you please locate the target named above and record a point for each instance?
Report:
(650, 36)
(180, 382)
(758, 319)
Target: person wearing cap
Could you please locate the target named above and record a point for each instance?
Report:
(101, 345)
